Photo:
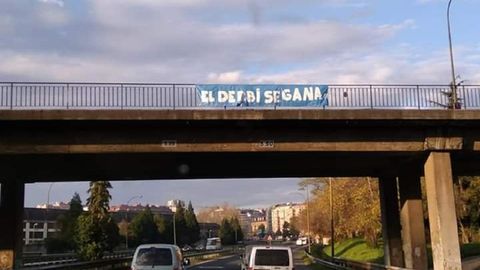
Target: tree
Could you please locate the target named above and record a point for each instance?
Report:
(64, 241)
(192, 227)
(356, 209)
(261, 231)
(226, 232)
(143, 228)
(286, 230)
(237, 229)
(295, 225)
(165, 229)
(216, 214)
(96, 231)
(180, 225)
(467, 200)
(76, 207)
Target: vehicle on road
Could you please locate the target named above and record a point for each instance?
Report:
(186, 248)
(158, 257)
(301, 241)
(213, 243)
(267, 258)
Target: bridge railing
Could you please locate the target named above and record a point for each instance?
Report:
(27, 96)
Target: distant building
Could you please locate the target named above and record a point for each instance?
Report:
(40, 223)
(247, 216)
(172, 204)
(257, 223)
(268, 219)
(55, 205)
(156, 209)
(282, 213)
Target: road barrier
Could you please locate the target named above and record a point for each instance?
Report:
(120, 260)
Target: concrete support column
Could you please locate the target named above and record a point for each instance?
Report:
(11, 223)
(441, 212)
(412, 220)
(391, 230)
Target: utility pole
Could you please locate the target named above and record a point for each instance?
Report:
(332, 236)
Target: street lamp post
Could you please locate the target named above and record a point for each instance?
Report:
(332, 234)
(308, 216)
(45, 222)
(454, 98)
(308, 223)
(174, 228)
(48, 195)
(35, 230)
(126, 218)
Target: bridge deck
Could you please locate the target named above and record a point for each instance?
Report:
(241, 114)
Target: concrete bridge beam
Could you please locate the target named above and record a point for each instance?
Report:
(391, 230)
(441, 212)
(412, 221)
(11, 223)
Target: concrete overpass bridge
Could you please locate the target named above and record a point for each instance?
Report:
(56, 143)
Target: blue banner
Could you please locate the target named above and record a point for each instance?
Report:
(262, 95)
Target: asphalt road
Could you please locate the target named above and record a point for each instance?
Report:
(233, 262)
(226, 263)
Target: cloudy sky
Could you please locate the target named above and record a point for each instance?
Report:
(244, 193)
(231, 41)
(264, 41)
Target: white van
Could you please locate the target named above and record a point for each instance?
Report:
(267, 258)
(158, 257)
(302, 241)
(213, 243)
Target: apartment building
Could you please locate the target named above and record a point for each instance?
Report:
(282, 213)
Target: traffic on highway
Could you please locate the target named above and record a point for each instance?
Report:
(257, 255)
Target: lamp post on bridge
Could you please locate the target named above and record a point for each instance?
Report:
(454, 98)
(126, 218)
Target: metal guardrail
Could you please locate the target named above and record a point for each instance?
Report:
(343, 264)
(366, 265)
(111, 261)
(123, 96)
(52, 259)
(326, 263)
(119, 263)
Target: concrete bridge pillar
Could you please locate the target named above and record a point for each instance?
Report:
(11, 223)
(441, 212)
(412, 221)
(391, 230)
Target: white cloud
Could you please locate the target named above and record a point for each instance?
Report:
(225, 77)
(59, 3)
